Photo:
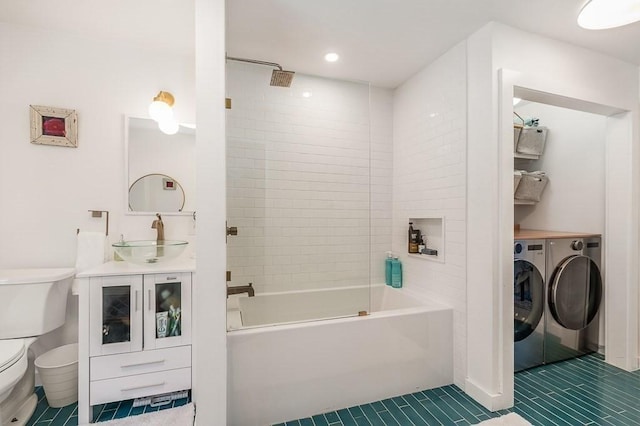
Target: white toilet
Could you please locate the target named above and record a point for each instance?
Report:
(34, 302)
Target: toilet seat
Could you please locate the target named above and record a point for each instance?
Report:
(11, 351)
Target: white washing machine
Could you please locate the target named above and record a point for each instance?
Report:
(528, 303)
(574, 292)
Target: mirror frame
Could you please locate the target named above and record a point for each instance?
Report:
(126, 185)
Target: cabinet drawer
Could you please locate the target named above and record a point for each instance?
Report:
(121, 365)
(122, 388)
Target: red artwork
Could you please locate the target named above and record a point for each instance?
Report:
(53, 126)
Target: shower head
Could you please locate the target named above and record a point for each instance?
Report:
(279, 77)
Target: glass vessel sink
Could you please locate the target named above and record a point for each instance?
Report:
(149, 251)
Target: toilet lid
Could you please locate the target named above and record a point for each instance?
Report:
(10, 351)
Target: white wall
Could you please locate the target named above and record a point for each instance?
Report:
(574, 160)
(210, 331)
(302, 175)
(47, 190)
(592, 80)
(429, 181)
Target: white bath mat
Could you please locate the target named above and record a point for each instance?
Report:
(178, 416)
(511, 419)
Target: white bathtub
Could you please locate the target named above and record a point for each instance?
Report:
(290, 371)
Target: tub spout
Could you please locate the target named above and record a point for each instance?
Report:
(241, 289)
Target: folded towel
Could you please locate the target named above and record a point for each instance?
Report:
(91, 252)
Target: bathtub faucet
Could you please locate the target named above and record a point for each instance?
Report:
(241, 289)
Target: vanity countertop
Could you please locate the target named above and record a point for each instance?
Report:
(126, 268)
(537, 234)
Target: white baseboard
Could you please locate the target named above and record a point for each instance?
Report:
(492, 402)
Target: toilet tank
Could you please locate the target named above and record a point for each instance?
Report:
(33, 301)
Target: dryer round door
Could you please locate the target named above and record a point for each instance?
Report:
(528, 299)
(575, 292)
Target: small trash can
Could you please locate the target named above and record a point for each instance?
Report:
(58, 369)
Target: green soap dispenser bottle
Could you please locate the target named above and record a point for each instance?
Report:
(396, 273)
(387, 268)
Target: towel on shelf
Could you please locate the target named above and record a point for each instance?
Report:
(91, 252)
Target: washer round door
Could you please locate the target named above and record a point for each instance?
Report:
(575, 292)
(528, 299)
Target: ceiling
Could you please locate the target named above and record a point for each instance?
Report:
(381, 41)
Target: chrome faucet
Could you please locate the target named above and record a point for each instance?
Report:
(241, 289)
(159, 226)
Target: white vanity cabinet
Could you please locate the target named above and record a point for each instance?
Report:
(134, 334)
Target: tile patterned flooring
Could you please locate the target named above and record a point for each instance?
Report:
(68, 416)
(581, 391)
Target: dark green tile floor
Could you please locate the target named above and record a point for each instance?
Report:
(68, 416)
(581, 391)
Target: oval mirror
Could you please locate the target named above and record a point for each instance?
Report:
(156, 192)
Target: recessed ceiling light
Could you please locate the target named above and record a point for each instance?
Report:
(603, 14)
(331, 57)
(307, 93)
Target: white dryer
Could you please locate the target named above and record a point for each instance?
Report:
(574, 292)
(528, 303)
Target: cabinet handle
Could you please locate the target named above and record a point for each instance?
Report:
(142, 387)
(136, 301)
(149, 299)
(172, 278)
(160, 361)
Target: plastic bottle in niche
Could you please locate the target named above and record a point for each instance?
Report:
(414, 238)
(422, 245)
(410, 237)
(396, 273)
(387, 268)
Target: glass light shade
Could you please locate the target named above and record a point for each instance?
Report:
(169, 127)
(160, 111)
(603, 14)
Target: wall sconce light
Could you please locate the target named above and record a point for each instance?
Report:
(161, 110)
(161, 107)
(604, 14)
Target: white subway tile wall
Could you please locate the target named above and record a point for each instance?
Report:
(430, 181)
(308, 181)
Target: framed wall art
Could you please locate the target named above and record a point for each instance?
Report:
(54, 126)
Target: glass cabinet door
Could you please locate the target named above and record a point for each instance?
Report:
(116, 314)
(116, 327)
(167, 310)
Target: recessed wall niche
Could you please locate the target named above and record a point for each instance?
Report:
(432, 230)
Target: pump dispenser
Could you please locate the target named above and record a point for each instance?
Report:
(387, 268)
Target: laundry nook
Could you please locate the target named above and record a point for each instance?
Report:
(279, 212)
